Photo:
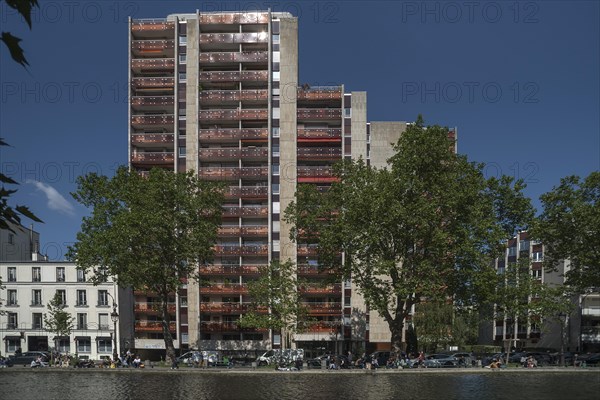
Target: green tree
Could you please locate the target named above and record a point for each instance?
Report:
(24, 8)
(147, 232)
(432, 321)
(57, 320)
(569, 227)
(425, 228)
(275, 301)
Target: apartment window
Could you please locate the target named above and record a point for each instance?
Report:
(80, 275)
(102, 297)
(183, 301)
(182, 40)
(275, 38)
(275, 188)
(12, 297)
(524, 245)
(347, 112)
(275, 169)
(104, 345)
(36, 274)
(276, 207)
(84, 345)
(276, 56)
(13, 320)
(12, 274)
(276, 91)
(537, 256)
(185, 339)
(62, 294)
(182, 152)
(512, 251)
(537, 273)
(276, 76)
(64, 345)
(275, 132)
(81, 298)
(11, 238)
(12, 344)
(276, 226)
(103, 321)
(37, 320)
(276, 245)
(182, 77)
(60, 274)
(275, 151)
(276, 110)
(81, 321)
(182, 58)
(36, 297)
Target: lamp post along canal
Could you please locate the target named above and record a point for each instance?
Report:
(114, 316)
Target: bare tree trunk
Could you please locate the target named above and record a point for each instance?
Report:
(168, 338)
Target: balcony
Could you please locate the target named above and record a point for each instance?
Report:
(234, 18)
(207, 116)
(221, 96)
(152, 102)
(324, 308)
(153, 48)
(153, 121)
(319, 153)
(141, 65)
(244, 250)
(232, 173)
(153, 308)
(333, 93)
(313, 270)
(248, 230)
(335, 289)
(325, 326)
(153, 158)
(320, 135)
(153, 326)
(225, 327)
(234, 76)
(233, 135)
(235, 57)
(319, 114)
(304, 250)
(247, 192)
(311, 174)
(247, 269)
(229, 154)
(248, 37)
(225, 288)
(227, 308)
(152, 84)
(246, 211)
(152, 28)
(153, 139)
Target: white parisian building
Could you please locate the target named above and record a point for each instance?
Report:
(29, 286)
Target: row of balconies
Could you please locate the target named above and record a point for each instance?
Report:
(247, 192)
(223, 135)
(153, 121)
(149, 27)
(320, 94)
(319, 153)
(247, 37)
(335, 289)
(235, 18)
(244, 269)
(153, 326)
(233, 76)
(158, 157)
(153, 64)
(153, 138)
(225, 288)
(148, 83)
(324, 308)
(234, 57)
(226, 327)
(232, 173)
(153, 48)
(254, 230)
(243, 250)
(312, 270)
(319, 113)
(232, 115)
(319, 134)
(245, 211)
(152, 308)
(215, 96)
(228, 308)
(152, 101)
(225, 154)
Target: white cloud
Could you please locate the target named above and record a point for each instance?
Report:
(56, 201)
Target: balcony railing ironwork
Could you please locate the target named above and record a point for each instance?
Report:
(217, 96)
(334, 93)
(234, 57)
(218, 135)
(153, 138)
(245, 211)
(232, 173)
(234, 18)
(321, 134)
(152, 46)
(153, 326)
(233, 288)
(153, 307)
(318, 289)
(153, 64)
(220, 115)
(152, 101)
(152, 83)
(255, 230)
(153, 157)
(319, 113)
(247, 192)
(319, 153)
(234, 76)
(139, 121)
(245, 269)
(247, 37)
(234, 153)
(244, 250)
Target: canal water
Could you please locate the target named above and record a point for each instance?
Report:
(166, 384)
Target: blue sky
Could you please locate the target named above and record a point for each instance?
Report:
(520, 80)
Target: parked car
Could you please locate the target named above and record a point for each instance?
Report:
(440, 361)
(209, 358)
(592, 360)
(26, 358)
(464, 359)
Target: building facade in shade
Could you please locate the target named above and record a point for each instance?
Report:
(19, 244)
(218, 93)
(30, 286)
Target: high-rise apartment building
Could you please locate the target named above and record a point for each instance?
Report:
(218, 93)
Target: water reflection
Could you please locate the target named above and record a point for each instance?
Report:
(77, 385)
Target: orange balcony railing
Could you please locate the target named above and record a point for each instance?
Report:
(151, 308)
(319, 153)
(246, 211)
(152, 47)
(218, 96)
(248, 153)
(152, 138)
(324, 308)
(318, 289)
(334, 93)
(248, 37)
(153, 64)
(151, 26)
(153, 157)
(246, 269)
(229, 288)
(226, 135)
(244, 250)
(247, 192)
(325, 326)
(226, 327)
(319, 134)
(142, 121)
(311, 174)
(153, 326)
(227, 308)
(152, 101)
(313, 270)
(307, 250)
(254, 230)
(152, 83)
(235, 18)
(228, 115)
(233, 76)
(244, 56)
(319, 113)
(232, 173)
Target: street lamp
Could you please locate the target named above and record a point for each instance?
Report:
(563, 322)
(114, 316)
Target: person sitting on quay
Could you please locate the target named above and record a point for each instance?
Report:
(136, 361)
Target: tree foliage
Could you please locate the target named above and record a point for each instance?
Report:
(425, 228)
(275, 300)
(569, 227)
(57, 320)
(24, 8)
(148, 233)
